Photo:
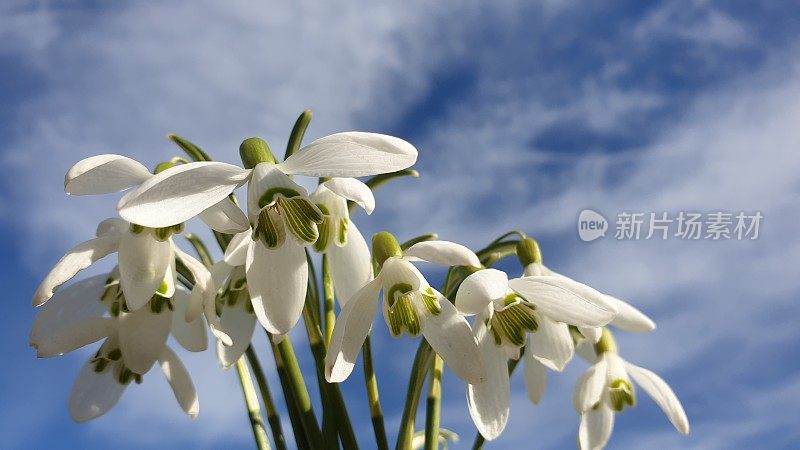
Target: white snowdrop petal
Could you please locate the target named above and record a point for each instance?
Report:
(354, 190)
(351, 154)
(225, 217)
(180, 381)
(450, 336)
(93, 394)
(103, 174)
(142, 337)
(178, 194)
(143, 265)
(351, 329)
(239, 324)
(565, 300)
(629, 318)
(351, 265)
(595, 428)
(190, 335)
(442, 252)
(479, 289)
(535, 378)
(488, 401)
(277, 280)
(552, 344)
(662, 394)
(589, 389)
(78, 258)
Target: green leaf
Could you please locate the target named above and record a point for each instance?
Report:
(194, 152)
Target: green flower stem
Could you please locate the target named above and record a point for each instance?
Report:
(518, 233)
(300, 393)
(273, 416)
(373, 398)
(329, 392)
(434, 407)
(288, 397)
(327, 291)
(250, 396)
(477, 444)
(253, 409)
(422, 361)
(201, 249)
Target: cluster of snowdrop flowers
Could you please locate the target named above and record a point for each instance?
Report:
(478, 324)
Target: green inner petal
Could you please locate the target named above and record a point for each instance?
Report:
(271, 195)
(431, 302)
(301, 217)
(621, 395)
(512, 323)
(341, 235)
(269, 229)
(324, 229)
(404, 315)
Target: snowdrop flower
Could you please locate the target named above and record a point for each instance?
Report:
(628, 318)
(105, 174)
(410, 305)
(237, 316)
(283, 217)
(89, 311)
(146, 272)
(507, 311)
(350, 261)
(606, 389)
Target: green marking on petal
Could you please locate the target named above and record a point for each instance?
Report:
(341, 235)
(269, 230)
(431, 302)
(114, 355)
(324, 229)
(162, 234)
(272, 195)
(301, 217)
(512, 323)
(621, 394)
(136, 229)
(397, 290)
(100, 365)
(404, 315)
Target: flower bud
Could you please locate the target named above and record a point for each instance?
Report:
(528, 252)
(254, 151)
(384, 246)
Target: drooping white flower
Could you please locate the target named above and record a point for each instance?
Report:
(146, 272)
(105, 174)
(532, 309)
(92, 310)
(606, 389)
(350, 261)
(410, 305)
(283, 217)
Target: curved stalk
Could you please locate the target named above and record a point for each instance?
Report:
(375, 410)
(300, 392)
(328, 296)
(434, 407)
(253, 409)
(288, 398)
(273, 417)
(419, 370)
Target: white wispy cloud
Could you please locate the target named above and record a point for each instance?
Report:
(118, 81)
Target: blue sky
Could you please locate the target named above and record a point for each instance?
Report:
(524, 113)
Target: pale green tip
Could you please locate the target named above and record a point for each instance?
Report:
(384, 246)
(254, 151)
(528, 252)
(607, 343)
